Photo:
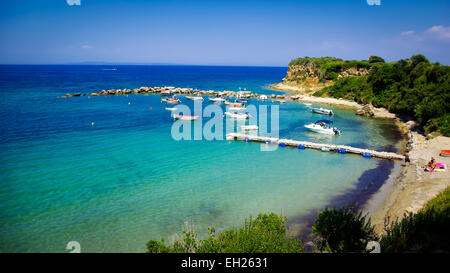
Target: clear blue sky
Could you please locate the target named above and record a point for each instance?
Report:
(220, 32)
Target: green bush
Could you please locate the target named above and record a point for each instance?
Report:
(264, 234)
(426, 231)
(343, 230)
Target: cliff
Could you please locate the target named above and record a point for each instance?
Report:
(312, 74)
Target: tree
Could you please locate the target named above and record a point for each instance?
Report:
(375, 59)
(343, 230)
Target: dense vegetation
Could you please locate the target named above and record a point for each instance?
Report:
(339, 230)
(412, 87)
(264, 234)
(343, 230)
(425, 231)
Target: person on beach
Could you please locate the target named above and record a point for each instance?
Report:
(431, 165)
(407, 159)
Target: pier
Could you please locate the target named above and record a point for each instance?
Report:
(312, 145)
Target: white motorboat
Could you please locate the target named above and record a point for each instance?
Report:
(171, 108)
(237, 115)
(322, 111)
(249, 127)
(185, 117)
(217, 99)
(307, 103)
(280, 101)
(321, 126)
(194, 97)
(263, 97)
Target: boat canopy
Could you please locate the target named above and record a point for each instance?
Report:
(324, 121)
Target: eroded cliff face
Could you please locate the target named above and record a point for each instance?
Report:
(311, 75)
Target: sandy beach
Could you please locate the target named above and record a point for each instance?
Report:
(412, 187)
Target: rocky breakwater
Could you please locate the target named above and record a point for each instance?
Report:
(169, 90)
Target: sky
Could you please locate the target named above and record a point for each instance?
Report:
(232, 32)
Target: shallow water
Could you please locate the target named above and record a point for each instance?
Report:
(115, 185)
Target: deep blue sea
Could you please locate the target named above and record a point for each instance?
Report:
(123, 181)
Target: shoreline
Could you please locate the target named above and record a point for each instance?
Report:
(407, 188)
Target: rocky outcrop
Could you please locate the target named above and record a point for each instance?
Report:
(367, 111)
(310, 74)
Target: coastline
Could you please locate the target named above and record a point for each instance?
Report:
(406, 188)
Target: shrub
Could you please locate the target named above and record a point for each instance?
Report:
(264, 234)
(343, 230)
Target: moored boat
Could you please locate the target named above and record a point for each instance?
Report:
(171, 100)
(237, 115)
(321, 126)
(185, 117)
(322, 111)
(217, 99)
(194, 97)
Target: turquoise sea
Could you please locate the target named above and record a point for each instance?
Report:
(124, 181)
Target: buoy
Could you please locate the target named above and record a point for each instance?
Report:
(325, 149)
(301, 146)
(342, 151)
(282, 144)
(366, 155)
(247, 140)
(129, 103)
(267, 142)
(92, 124)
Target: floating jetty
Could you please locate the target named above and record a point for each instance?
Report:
(319, 146)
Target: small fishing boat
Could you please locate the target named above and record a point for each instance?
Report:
(194, 97)
(445, 153)
(237, 115)
(322, 111)
(217, 99)
(242, 100)
(321, 126)
(249, 127)
(185, 117)
(234, 104)
(171, 100)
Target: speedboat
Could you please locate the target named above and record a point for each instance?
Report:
(322, 111)
(185, 117)
(194, 97)
(322, 126)
(249, 127)
(237, 115)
